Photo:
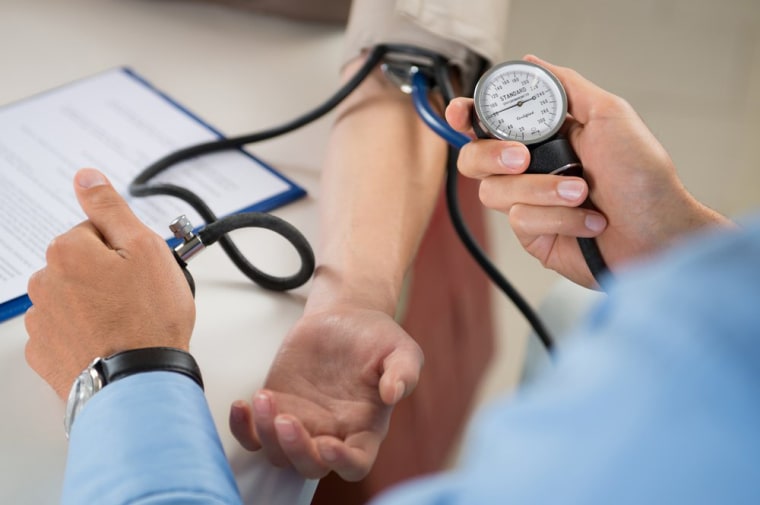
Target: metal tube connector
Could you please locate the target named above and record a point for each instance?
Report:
(191, 244)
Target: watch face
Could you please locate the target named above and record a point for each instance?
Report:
(85, 386)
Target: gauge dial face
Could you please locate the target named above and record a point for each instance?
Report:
(521, 101)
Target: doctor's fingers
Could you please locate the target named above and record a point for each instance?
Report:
(76, 248)
(36, 287)
(483, 158)
(502, 192)
(39, 320)
(67, 255)
(586, 100)
(458, 114)
(107, 209)
(529, 222)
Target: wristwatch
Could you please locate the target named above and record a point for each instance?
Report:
(103, 371)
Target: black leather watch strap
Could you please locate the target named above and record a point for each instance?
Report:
(150, 359)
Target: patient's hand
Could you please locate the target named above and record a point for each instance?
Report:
(330, 392)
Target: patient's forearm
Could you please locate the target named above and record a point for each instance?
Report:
(383, 172)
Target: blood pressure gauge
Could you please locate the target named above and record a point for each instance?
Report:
(524, 102)
(517, 100)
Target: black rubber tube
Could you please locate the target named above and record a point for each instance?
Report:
(219, 229)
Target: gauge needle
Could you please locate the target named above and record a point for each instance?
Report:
(520, 103)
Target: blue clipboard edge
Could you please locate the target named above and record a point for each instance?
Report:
(21, 304)
(14, 307)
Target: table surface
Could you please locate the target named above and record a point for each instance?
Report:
(240, 72)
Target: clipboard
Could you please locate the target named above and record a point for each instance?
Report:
(118, 122)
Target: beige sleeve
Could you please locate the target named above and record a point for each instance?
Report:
(322, 11)
(453, 28)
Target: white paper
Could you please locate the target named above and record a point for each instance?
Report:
(116, 123)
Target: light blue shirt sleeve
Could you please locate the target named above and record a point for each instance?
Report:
(655, 399)
(147, 439)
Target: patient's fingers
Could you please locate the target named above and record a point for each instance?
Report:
(264, 414)
(353, 459)
(242, 426)
(297, 446)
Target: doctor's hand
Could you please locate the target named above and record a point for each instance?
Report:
(629, 177)
(328, 398)
(110, 284)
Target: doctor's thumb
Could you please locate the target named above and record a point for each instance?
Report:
(89, 178)
(105, 207)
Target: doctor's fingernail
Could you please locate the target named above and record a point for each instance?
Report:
(90, 178)
(595, 222)
(571, 189)
(513, 157)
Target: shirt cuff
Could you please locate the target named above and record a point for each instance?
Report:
(148, 438)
